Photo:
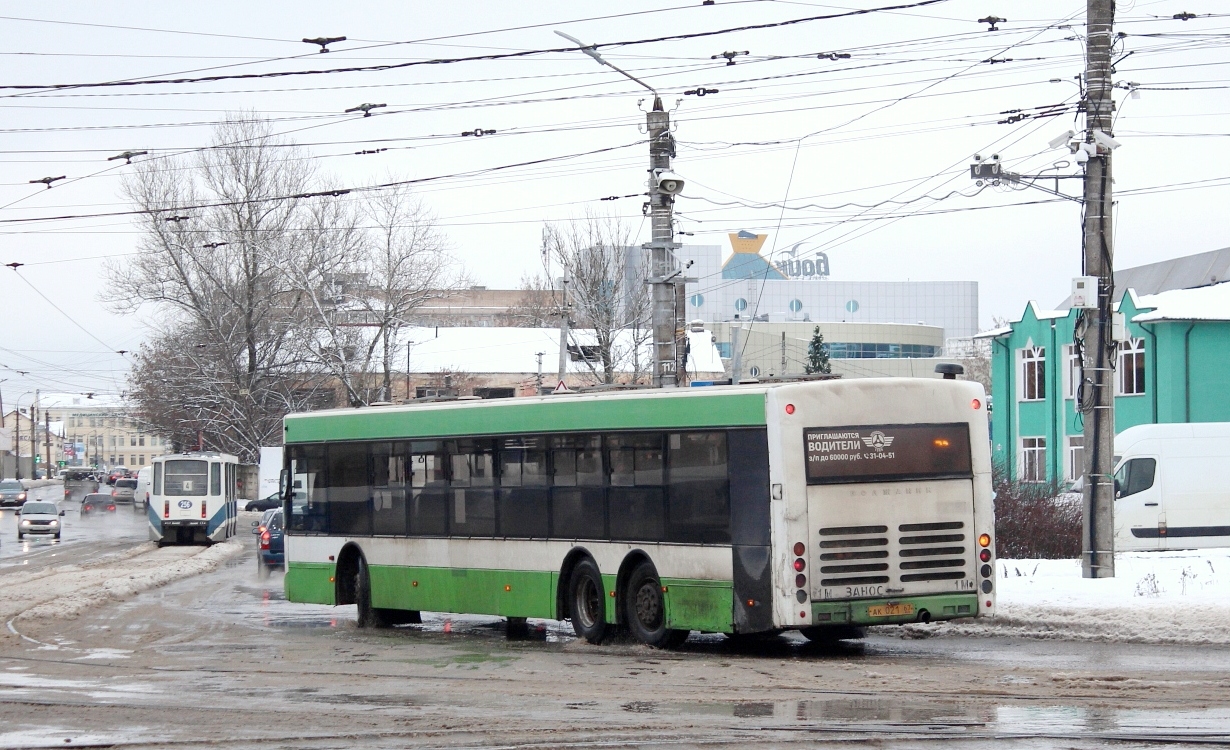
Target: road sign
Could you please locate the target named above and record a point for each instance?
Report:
(561, 388)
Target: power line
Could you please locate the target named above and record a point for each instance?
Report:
(452, 60)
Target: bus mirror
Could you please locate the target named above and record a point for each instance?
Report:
(282, 482)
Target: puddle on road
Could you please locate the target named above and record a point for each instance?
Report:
(866, 713)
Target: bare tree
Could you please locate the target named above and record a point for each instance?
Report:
(217, 232)
(605, 292)
(366, 271)
(538, 306)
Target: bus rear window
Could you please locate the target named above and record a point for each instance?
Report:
(186, 478)
(882, 453)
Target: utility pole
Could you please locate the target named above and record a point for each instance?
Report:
(539, 355)
(1094, 328)
(736, 355)
(668, 309)
(783, 370)
(47, 437)
(663, 271)
(564, 310)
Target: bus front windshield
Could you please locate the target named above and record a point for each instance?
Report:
(186, 478)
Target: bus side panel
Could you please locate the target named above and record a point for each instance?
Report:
(748, 456)
(310, 583)
(155, 522)
(510, 593)
(698, 605)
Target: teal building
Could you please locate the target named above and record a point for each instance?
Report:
(1173, 365)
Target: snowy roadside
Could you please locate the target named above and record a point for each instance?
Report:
(67, 591)
(1180, 597)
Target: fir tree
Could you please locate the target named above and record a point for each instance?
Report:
(817, 355)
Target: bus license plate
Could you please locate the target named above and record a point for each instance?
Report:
(890, 610)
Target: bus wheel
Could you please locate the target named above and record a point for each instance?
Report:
(586, 603)
(646, 611)
(369, 616)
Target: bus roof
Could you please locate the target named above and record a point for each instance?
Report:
(683, 408)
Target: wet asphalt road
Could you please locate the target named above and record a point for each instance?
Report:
(223, 660)
(81, 539)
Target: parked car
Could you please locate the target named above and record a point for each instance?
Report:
(270, 549)
(12, 493)
(95, 503)
(125, 490)
(265, 503)
(39, 517)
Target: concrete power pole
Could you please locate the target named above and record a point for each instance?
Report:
(1098, 346)
(663, 271)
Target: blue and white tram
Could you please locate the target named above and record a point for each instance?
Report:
(193, 498)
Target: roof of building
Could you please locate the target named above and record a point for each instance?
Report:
(1204, 303)
(1187, 272)
(514, 350)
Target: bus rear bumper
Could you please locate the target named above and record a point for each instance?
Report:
(895, 611)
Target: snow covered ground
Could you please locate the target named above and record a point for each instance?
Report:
(1155, 597)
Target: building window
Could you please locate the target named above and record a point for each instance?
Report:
(1132, 367)
(132, 441)
(141, 440)
(1076, 457)
(1073, 373)
(1033, 459)
(1033, 373)
(141, 460)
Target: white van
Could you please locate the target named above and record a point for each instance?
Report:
(140, 497)
(1172, 486)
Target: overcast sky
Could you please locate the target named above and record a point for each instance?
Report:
(898, 120)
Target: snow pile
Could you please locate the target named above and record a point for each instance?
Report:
(69, 591)
(1155, 597)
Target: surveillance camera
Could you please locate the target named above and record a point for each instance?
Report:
(1081, 156)
(668, 182)
(1105, 141)
(1060, 141)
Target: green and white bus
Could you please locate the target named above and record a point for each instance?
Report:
(814, 505)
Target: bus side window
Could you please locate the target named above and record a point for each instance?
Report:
(698, 503)
(158, 478)
(215, 478)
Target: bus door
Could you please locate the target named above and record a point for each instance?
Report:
(1140, 513)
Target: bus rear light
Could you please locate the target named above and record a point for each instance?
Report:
(202, 509)
(984, 540)
(803, 615)
(800, 581)
(790, 408)
(166, 508)
(799, 565)
(988, 602)
(986, 587)
(976, 404)
(985, 555)
(986, 571)
(799, 549)
(751, 602)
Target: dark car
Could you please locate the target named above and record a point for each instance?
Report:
(271, 502)
(95, 503)
(269, 550)
(12, 493)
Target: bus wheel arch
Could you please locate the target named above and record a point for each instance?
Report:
(346, 572)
